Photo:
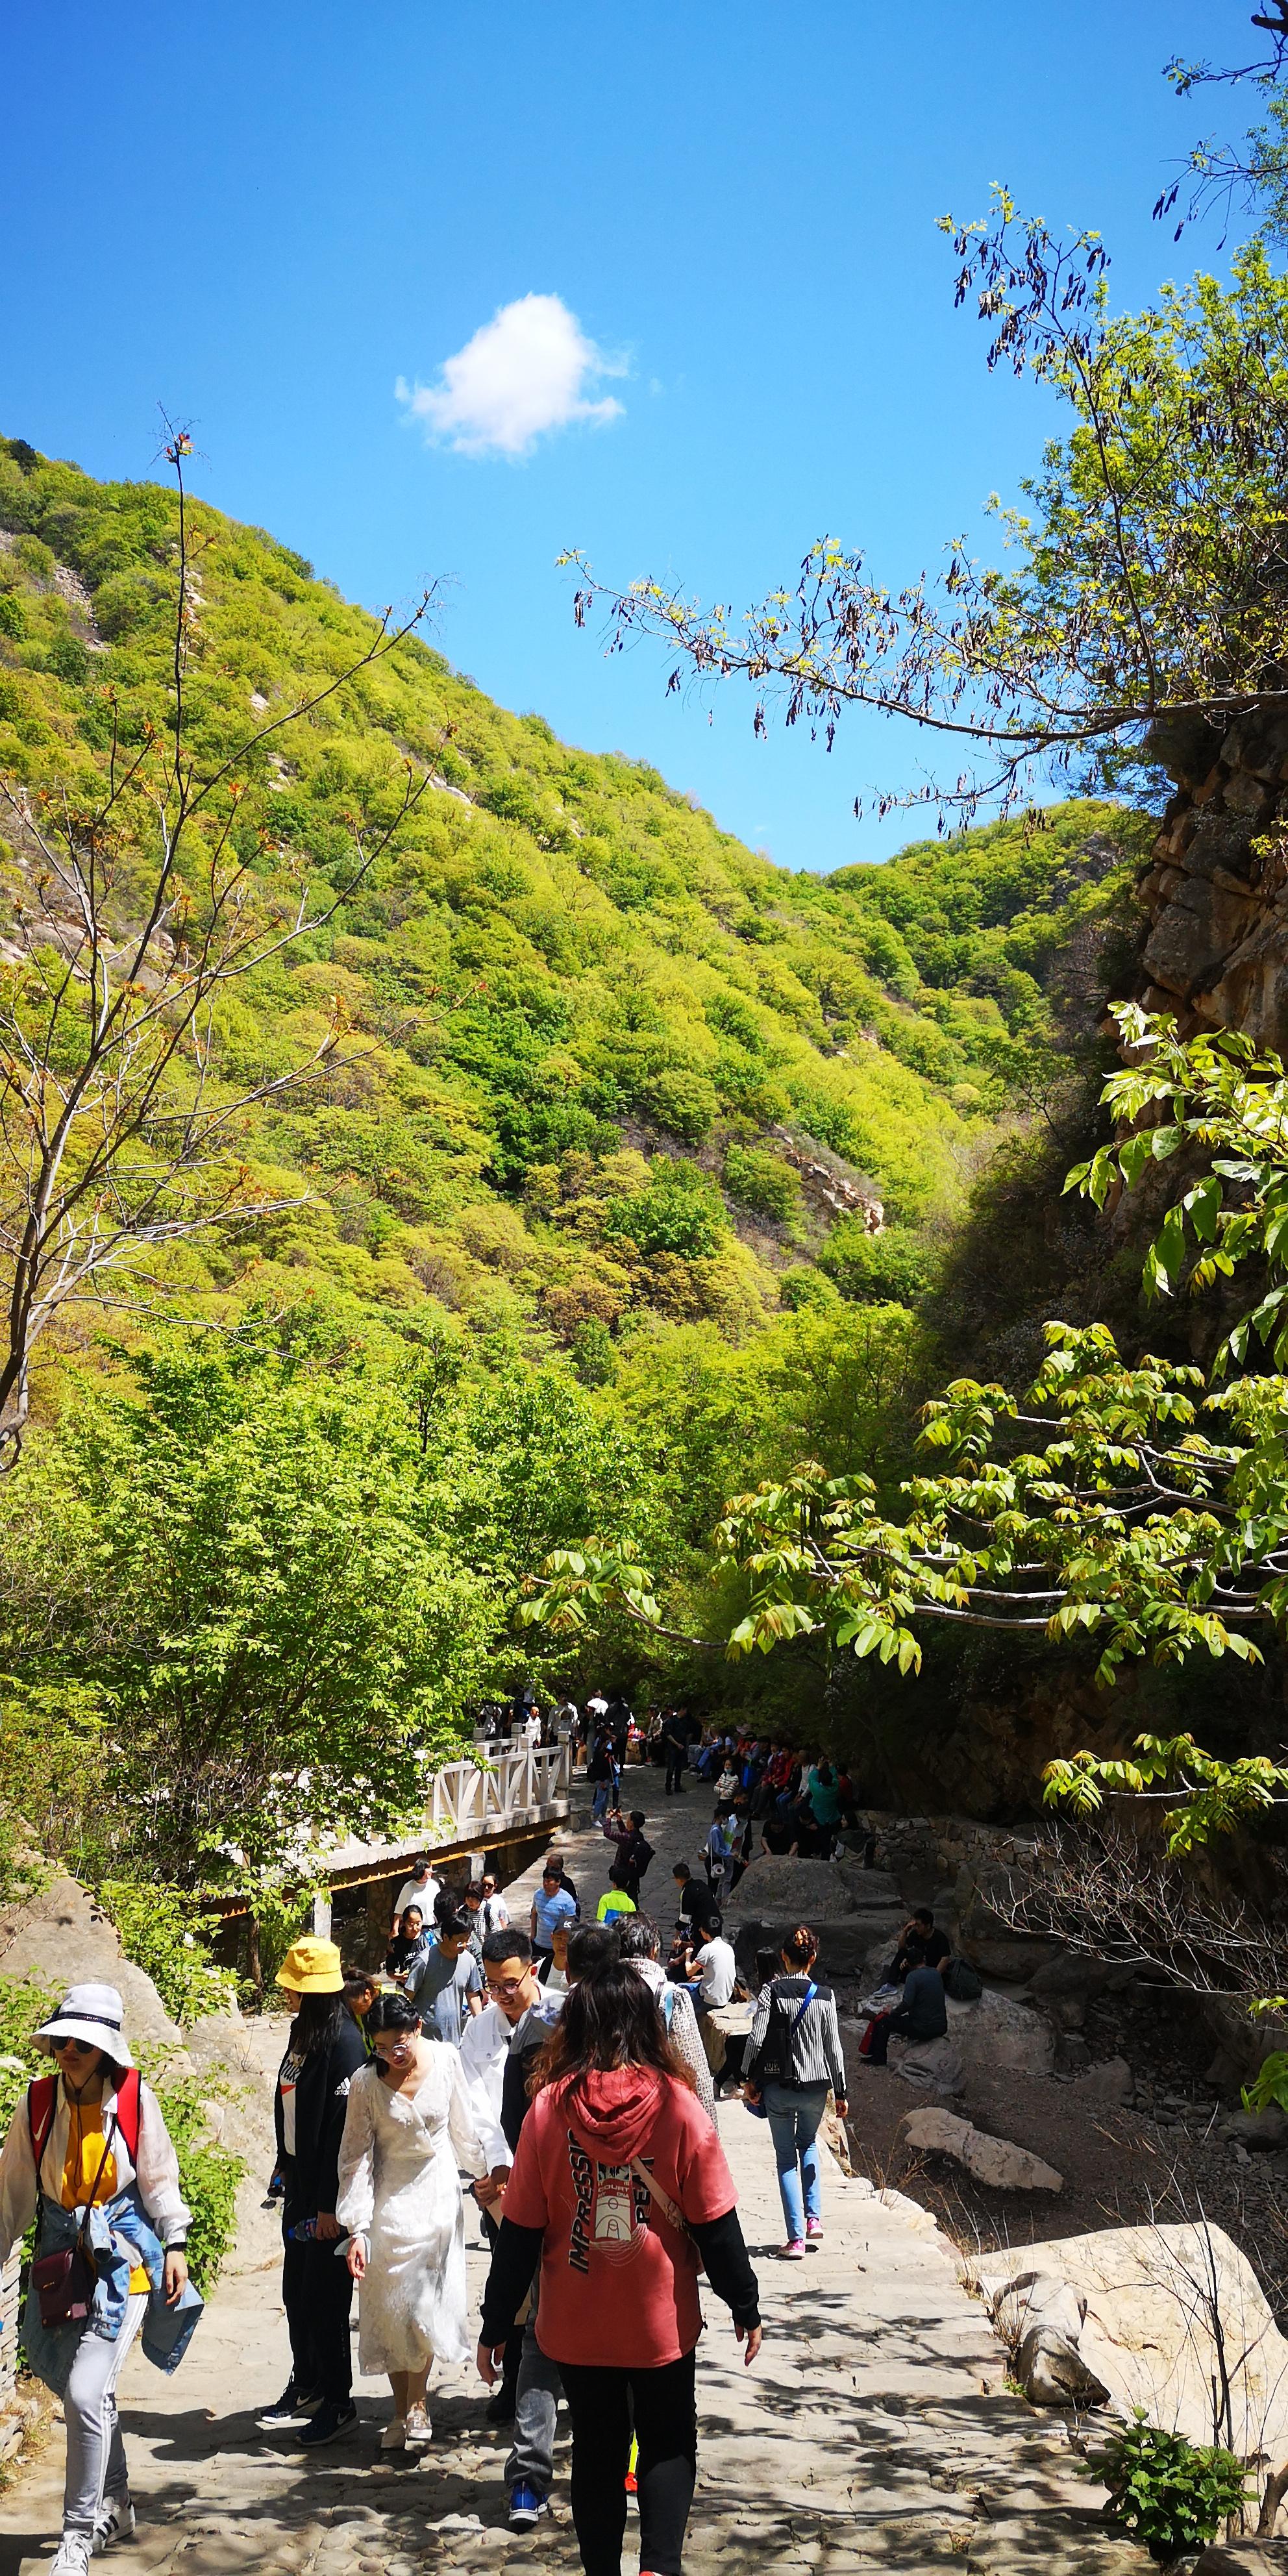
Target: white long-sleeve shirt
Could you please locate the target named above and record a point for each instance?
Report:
(485, 2046)
(157, 2173)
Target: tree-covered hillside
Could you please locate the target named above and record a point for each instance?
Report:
(616, 1167)
(598, 1061)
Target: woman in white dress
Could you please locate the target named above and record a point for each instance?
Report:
(408, 2130)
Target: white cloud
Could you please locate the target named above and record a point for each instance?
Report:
(528, 371)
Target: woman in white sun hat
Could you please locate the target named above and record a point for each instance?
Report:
(89, 2153)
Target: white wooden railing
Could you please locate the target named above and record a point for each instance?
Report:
(502, 1787)
(520, 1783)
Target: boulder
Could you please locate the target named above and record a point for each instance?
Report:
(934, 2064)
(1243, 2558)
(844, 1944)
(810, 1891)
(932, 2133)
(1148, 2332)
(994, 2162)
(1052, 2372)
(1041, 2300)
(1002, 2035)
(1070, 1975)
(1260, 2130)
(1109, 2081)
(1002, 2166)
(58, 1938)
(991, 1945)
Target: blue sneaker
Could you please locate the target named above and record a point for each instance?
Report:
(527, 2504)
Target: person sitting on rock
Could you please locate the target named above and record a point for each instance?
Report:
(923, 2014)
(921, 1944)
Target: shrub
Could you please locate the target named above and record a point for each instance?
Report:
(891, 1267)
(35, 558)
(678, 1212)
(208, 2178)
(761, 1182)
(13, 616)
(593, 1355)
(1169, 2494)
(683, 1100)
(23, 2007)
(1269, 2084)
(162, 1934)
(68, 660)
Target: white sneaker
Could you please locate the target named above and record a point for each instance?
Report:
(116, 2522)
(73, 2554)
(394, 2435)
(419, 2428)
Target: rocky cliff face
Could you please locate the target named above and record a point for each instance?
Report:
(1216, 892)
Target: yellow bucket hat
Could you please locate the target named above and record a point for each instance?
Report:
(312, 1968)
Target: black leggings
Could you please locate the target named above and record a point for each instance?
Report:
(601, 2403)
(317, 2294)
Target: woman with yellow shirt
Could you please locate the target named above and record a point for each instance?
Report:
(89, 2151)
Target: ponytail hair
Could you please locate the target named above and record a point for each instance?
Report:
(800, 1949)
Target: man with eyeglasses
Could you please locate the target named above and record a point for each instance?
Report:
(516, 2023)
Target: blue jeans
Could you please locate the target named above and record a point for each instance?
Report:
(794, 2114)
(599, 1800)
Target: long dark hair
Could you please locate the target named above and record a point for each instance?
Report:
(609, 2020)
(319, 2020)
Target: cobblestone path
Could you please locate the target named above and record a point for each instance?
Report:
(874, 2433)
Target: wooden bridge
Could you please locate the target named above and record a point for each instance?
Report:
(503, 1796)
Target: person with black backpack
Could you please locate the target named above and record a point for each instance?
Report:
(634, 1851)
(793, 2055)
(88, 2154)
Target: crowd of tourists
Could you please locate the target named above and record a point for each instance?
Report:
(562, 2072)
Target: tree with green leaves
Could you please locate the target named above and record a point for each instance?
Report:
(252, 1565)
(138, 914)
(1146, 587)
(1142, 1504)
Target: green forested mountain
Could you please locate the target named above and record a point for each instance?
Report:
(622, 1186)
(562, 972)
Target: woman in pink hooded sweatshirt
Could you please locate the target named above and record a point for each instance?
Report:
(619, 2181)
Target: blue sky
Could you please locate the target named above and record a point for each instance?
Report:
(264, 218)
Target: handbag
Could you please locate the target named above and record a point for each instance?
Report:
(780, 2072)
(674, 2216)
(64, 2282)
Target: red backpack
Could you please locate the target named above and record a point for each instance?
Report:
(42, 2103)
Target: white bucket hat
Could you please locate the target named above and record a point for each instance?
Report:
(94, 2014)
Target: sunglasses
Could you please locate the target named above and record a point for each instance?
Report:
(81, 2047)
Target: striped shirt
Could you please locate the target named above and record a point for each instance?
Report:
(814, 2050)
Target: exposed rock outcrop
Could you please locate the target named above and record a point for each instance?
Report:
(58, 1938)
(1216, 892)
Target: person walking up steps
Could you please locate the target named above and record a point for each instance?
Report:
(793, 2055)
(89, 2155)
(409, 2127)
(619, 2180)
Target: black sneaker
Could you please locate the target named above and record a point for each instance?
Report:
(500, 2409)
(292, 2408)
(327, 2425)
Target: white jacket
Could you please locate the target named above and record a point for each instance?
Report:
(157, 2173)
